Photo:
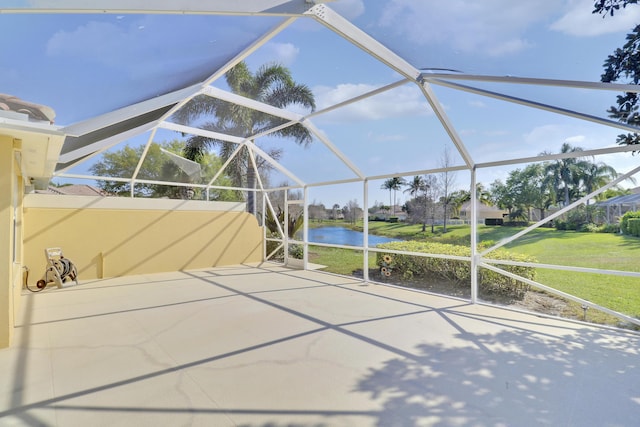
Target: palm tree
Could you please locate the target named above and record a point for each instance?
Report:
(483, 194)
(457, 199)
(272, 84)
(393, 184)
(415, 187)
(595, 175)
(565, 172)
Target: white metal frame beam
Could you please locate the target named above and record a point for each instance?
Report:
(538, 105)
(438, 109)
(186, 7)
(201, 132)
(325, 140)
(89, 151)
(126, 113)
(359, 98)
(250, 103)
(344, 28)
(575, 84)
(546, 157)
(249, 50)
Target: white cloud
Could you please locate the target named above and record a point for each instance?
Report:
(576, 139)
(142, 46)
(467, 132)
(477, 104)
(350, 9)
(125, 46)
(400, 102)
(579, 21)
(91, 40)
(549, 138)
(380, 137)
(507, 47)
(282, 53)
(495, 27)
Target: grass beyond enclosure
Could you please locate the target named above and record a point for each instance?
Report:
(547, 245)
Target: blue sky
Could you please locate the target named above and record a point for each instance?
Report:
(83, 65)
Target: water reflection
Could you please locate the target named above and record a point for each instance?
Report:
(343, 236)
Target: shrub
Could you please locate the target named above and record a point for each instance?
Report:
(271, 246)
(633, 225)
(454, 270)
(561, 225)
(610, 228)
(515, 223)
(590, 228)
(624, 221)
(296, 251)
(573, 220)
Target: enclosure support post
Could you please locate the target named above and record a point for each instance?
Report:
(365, 229)
(305, 229)
(474, 238)
(285, 227)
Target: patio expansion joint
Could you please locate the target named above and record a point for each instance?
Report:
(324, 325)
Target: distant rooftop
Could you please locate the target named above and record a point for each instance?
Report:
(24, 109)
(74, 190)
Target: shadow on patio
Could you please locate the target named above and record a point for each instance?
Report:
(272, 347)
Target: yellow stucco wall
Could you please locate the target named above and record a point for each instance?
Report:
(106, 237)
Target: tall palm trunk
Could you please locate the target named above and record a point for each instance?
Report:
(426, 212)
(251, 185)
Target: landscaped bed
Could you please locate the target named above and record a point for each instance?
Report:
(548, 246)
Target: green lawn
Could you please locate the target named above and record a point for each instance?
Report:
(548, 246)
(340, 261)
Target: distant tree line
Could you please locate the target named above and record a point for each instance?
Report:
(548, 184)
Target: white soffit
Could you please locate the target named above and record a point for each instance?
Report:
(40, 147)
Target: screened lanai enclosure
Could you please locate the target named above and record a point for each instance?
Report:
(217, 143)
(393, 95)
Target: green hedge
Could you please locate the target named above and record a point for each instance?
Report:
(633, 226)
(409, 266)
(624, 221)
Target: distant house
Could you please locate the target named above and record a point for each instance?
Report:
(74, 190)
(617, 206)
(385, 214)
(483, 211)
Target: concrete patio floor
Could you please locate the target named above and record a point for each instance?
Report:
(267, 346)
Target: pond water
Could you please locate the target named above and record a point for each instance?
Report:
(344, 236)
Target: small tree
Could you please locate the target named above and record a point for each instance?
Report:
(157, 166)
(432, 192)
(317, 211)
(447, 182)
(352, 211)
(335, 210)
